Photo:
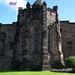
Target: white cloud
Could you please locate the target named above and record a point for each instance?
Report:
(20, 3)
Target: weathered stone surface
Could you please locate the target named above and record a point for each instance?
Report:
(8, 31)
(68, 35)
(36, 40)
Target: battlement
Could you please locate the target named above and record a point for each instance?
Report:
(67, 22)
(8, 24)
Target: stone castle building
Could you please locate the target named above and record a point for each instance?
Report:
(37, 40)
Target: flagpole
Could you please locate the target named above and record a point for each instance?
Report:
(14, 3)
(16, 10)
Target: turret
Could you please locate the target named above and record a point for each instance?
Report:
(28, 6)
(37, 4)
(55, 8)
(44, 5)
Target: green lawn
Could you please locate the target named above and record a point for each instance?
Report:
(9, 72)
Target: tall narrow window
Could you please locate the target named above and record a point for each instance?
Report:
(36, 40)
(49, 49)
(23, 41)
(49, 40)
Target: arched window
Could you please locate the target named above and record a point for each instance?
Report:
(36, 37)
(23, 39)
(49, 40)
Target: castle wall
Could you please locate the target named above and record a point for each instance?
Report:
(8, 45)
(68, 38)
(37, 38)
(52, 35)
(51, 18)
(26, 52)
(18, 55)
(22, 16)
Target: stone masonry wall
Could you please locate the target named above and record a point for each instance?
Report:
(6, 58)
(52, 26)
(25, 53)
(68, 38)
(31, 50)
(51, 17)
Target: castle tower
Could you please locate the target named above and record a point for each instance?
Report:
(38, 37)
(36, 40)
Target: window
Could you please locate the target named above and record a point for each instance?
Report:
(23, 37)
(69, 45)
(36, 40)
(49, 40)
(60, 30)
(69, 48)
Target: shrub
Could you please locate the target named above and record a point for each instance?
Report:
(73, 70)
(70, 62)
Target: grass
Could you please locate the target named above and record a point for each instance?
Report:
(9, 72)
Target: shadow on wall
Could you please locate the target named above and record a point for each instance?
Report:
(16, 65)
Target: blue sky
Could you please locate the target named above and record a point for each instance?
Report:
(8, 13)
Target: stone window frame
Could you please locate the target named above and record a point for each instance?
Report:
(36, 39)
(23, 37)
(49, 40)
(53, 29)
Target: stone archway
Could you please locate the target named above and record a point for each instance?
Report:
(55, 44)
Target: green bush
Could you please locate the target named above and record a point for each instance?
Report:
(73, 70)
(70, 62)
